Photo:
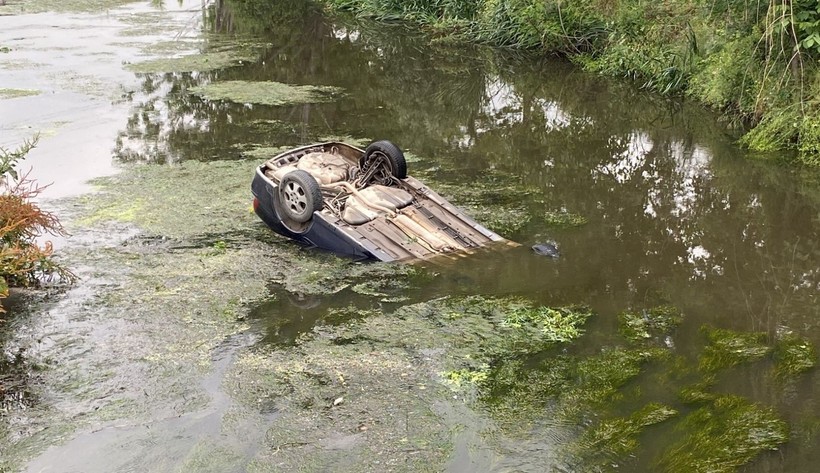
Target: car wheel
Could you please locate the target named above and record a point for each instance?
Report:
(300, 196)
(390, 154)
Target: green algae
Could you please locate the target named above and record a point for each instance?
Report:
(564, 219)
(14, 7)
(724, 435)
(364, 375)
(649, 324)
(265, 93)
(793, 355)
(176, 46)
(201, 62)
(389, 285)
(466, 377)
(86, 84)
(373, 399)
(16, 93)
(216, 199)
(727, 348)
(698, 392)
(262, 153)
(574, 386)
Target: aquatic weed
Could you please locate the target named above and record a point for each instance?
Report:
(617, 437)
(723, 436)
(466, 377)
(637, 326)
(793, 355)
(564, 219)
(201, 62)
(17, 93)
(728, 348)
(265, 93)
(555, 324)
(78, 6)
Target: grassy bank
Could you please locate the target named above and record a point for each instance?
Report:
(756, 62)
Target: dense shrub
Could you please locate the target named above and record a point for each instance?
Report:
(23, 262)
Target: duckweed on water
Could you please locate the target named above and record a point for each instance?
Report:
(727, 348)
(494, 199)
(380, 383)
(202, 62)
(265, 93)
(723, 436)
(13, 7)
(261, 153)
(217, 199)
(638, 326)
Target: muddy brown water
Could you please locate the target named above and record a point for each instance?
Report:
(667, 211)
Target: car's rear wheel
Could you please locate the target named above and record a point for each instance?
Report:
(300, 196)
(389, 155)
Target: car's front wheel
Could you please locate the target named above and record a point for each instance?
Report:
(300, 196)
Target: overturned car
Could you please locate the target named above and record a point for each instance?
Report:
(361, 203)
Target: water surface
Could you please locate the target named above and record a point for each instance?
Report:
(672, 212)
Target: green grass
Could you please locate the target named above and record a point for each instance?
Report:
(753, 61)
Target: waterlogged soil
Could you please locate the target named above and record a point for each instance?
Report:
(676, 332)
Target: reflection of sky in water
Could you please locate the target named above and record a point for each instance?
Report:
(627, 163)
(691, 166)
(691, 171)
(344, 34)
(504, 106)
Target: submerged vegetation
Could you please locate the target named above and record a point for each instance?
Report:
(724, 435)
(727, 348)
(794, 355)
(648, 324)
(755, 61)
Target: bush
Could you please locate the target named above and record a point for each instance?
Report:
(23, 262)
(754, 61)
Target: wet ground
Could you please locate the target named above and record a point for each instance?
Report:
(676, 331)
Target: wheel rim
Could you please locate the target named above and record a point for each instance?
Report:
(295, 198)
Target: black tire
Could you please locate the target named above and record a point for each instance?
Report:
(300, 196)
(393, 155)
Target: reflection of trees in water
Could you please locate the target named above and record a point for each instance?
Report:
(392, 88)
(670, 209)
